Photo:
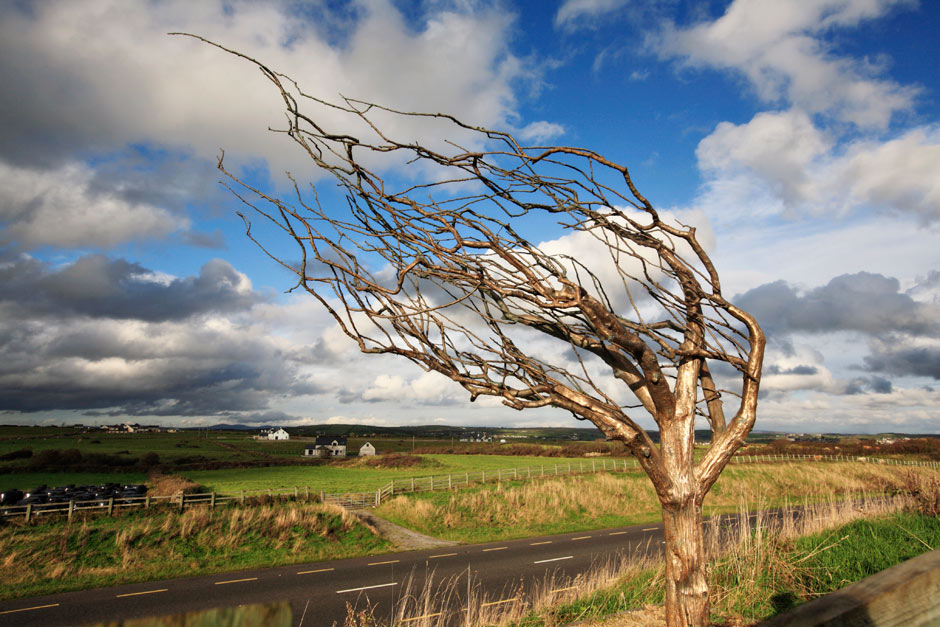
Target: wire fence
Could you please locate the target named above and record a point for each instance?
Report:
(360, 500)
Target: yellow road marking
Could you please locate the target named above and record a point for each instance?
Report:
(134, 594)
(408, 620)
(319, 570)
(26, 609)
(581, 538)
(380, 563)
(431, 557)
(499, 602)
(617, 533)
(219, 583)
(499, 548)
(538, 543)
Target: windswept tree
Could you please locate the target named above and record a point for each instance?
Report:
(439, 270)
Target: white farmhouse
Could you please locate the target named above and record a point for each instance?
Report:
(366, 450)
(278, 434)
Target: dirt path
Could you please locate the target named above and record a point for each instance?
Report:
(404, 539)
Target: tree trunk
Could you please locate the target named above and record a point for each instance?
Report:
(686, 582)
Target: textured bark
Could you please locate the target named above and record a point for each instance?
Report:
(686, 584)
(467, 289)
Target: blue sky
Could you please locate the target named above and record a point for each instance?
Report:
(804, 136)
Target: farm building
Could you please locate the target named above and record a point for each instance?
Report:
(366, 449)
(326, 446)
(276, 434)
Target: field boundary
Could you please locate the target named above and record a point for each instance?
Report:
(408, 485)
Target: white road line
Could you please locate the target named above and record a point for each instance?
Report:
(617, 533)
(650, 529)
(134, 594)
(580, 538)
(219, 583)
(319, 570)
(27, 609)
(381, 585)
(499, 548)
(431, 557)
(554, 559)
(538, 543)
(380, 563)
(498, 602)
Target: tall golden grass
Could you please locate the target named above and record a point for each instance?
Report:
(604, 497)
(742, 557)
(142, 545)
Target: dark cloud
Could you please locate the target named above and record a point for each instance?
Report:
(797, 370)
(876, 384)
(903, 358)
(103, 335)
(869, 303)
(100, 287)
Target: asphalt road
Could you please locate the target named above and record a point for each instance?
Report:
(500, 572)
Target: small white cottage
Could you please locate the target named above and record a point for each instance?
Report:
(366, 450)
(278, 434)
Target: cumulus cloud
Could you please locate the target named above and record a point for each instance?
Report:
(99, 287)
(108, 335)
(778, 47)
(63, 207)
(134, 84)
(790, 158)
(872, 304)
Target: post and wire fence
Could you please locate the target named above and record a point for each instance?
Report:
(359, 500)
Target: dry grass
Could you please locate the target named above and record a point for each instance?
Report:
(744, 563)
(144, 545)
(170, 485)
(585, 501)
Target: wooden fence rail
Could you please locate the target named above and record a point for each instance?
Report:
(399, 486)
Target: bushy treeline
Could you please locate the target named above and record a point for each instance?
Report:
(926, 448)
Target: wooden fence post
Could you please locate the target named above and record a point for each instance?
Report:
(29, 511)
(110, 505)
(147, 502)
(212, 501)
(71, 509)
(242, 497)
(322, 497)
(182, 501)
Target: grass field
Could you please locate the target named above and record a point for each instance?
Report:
(356, 476)
(145, 545)
(579, 503)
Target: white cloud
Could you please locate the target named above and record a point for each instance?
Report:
(574, 13)
(540, 131)
(132, 83)
(60, 208)
(784, 155)
(779, 48)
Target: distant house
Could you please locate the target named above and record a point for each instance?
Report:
(366, 450)
(326, 446)
(276, 434)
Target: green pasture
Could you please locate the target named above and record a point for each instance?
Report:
(357, 477)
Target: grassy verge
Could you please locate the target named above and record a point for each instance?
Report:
(755, 572)
(579, 503)
(147, 545)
